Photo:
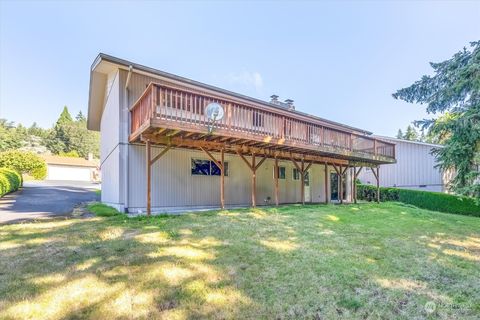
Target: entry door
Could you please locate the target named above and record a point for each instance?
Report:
(334, 186)
(308, 197)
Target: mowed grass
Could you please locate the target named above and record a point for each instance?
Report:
(363, 261)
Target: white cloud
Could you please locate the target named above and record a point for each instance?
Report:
(246, 78)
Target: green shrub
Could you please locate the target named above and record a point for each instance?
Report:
(436, 201)
(24, 162)
(10, 180)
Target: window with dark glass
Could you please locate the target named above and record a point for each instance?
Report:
(281, 172)
(202, 167)
(296, 174)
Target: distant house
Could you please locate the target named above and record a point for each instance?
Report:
(73, 169)
(171, 143)
(415, 168)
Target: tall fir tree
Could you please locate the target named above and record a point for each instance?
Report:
(399, 134)
(453, 91)
(410, 134)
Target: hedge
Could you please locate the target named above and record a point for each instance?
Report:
(10, 180)
(435, 201)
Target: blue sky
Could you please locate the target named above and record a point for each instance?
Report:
(337, 60)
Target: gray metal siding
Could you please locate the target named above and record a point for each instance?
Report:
(173, 185)
(138, 84)
(415, 167)
(109, 144)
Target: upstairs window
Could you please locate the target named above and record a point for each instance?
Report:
(202, 167)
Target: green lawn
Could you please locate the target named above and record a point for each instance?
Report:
(363, 261)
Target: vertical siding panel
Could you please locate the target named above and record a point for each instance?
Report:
(415, 166)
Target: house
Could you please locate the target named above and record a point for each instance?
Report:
(171, 143)
(415, 168)
(72, 169)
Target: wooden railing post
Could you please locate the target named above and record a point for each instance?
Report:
(152, 101)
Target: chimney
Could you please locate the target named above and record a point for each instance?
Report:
(274, 99)
(289, 102)
(90, 156)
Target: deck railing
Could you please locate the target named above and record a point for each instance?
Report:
(179, 106)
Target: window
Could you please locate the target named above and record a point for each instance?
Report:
(257, 119)
(296, 174)
(281, 172)
(207, 168)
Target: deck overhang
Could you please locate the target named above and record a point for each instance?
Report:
(179, 135)
(171, 116)
(174, 116)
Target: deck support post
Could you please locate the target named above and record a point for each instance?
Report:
(275, 176)
(302, 171)
(343, 173)
(377, 177)
(148, 150)
(355, 177)
(326, 183)
(339, 174)
(352, 188)
(221, 165)
(254, 183)
(253, 168)
(222, 179)
(340, 185)
(302, 187)
(149, 163)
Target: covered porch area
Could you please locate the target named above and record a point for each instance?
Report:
(307, 171)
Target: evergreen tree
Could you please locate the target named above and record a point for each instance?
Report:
(454, 92)
(399, 134)
(58, 140)
(35, 130)
(80, 117)
(65, 118)
(71, 137)
(422, 137)
(9, 139)
(410, 134)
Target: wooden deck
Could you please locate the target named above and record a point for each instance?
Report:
(174, 116)
(165, 112)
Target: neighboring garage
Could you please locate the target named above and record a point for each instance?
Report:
(71, 169)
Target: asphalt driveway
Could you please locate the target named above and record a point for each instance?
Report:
(43, 199)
